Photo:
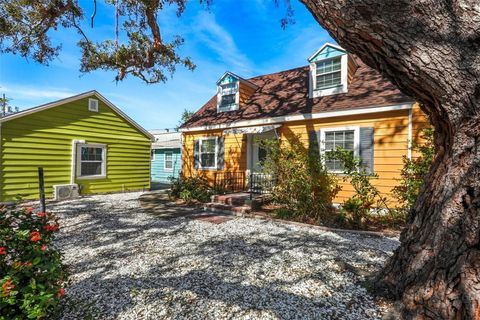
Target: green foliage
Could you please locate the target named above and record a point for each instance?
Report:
(190, 189)
(303, 186)
(31, 273)
(414, 171)
(186, 115)
(357, 209)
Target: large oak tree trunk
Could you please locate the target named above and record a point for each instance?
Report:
(431, 50)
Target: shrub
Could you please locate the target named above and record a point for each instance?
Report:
(356, 210)
(414, 171)
(31, 273)
(303, 186)
(190, 189)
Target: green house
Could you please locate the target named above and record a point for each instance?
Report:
(83, 143)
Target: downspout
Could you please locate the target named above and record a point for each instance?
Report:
(410, 135)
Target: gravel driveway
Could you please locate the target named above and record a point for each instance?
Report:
(127, 263)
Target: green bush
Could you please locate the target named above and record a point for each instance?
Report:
(414, 171)
(190, 189)
(303, 186)
(357, 209)
(31, 273)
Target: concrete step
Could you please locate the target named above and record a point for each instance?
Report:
(226, 208)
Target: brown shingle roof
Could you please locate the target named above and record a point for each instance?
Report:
(286, 93)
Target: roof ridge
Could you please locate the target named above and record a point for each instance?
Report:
(272, 73)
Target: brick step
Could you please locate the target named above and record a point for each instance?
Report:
(226, 208)
(232, 200)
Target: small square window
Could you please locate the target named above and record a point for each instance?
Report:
(168, 161)
(93, 105)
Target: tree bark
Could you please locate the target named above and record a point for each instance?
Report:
(431, 50)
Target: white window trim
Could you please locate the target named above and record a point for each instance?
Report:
(220, 95)
(341, 88)
(79, 161)
(200, 167)
(165, 161)
(152, 152)
(89, 105)
(356, 141)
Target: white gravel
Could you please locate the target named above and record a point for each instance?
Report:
(126, 263)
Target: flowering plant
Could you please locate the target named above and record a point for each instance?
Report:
(31, 273)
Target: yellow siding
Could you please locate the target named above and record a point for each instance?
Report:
(44, 139)
(390, 138)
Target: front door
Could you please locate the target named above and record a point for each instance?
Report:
(258, 153)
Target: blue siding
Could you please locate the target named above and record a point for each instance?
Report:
(159, 174)
(327, 52)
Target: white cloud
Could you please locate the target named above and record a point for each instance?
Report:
(33, 93)
(211, 34)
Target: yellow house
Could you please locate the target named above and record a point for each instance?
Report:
(336, 100)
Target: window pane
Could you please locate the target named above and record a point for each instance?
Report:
(207, 160)
(329, 136)
(168, 161)
(349, 135)
(92, 154)
(229, 88)
(228, 100)
(91, 168)
(348, 145)
(328, 80)
(329, 65)
(208, 146)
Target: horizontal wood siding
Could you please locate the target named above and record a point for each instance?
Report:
(245, 93)
(44, 139)
(390, 144)
(235, 147)
(159, 174)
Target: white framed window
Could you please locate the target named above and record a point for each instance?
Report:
(168, 161)
(93, 105)
(347, 138)
(207, 153)
(328, 73)
(91, 161)
(152, 154)
(228, 96)
(329, 76)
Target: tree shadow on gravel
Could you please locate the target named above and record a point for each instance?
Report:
(242, 270)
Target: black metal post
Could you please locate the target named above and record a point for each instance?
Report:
(251, 185)
(41, 189)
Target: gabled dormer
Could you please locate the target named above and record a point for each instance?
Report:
(232, 91)
(331, 69)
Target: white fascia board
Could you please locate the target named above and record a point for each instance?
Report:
(74, 98)
(308, 116)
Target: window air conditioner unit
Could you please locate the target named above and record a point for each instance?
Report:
(65, 191)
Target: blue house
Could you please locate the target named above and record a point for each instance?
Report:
(166, 158)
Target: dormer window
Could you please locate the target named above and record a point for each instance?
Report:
(329, 73)
(229, 89)
(330, 67)
(228, 96)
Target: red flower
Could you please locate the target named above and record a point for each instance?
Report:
(6, 287)
(61, 292)
(3, 250)
(41, 214)
(44, 247)
(51, 227)
(35, 236)
(29, 210)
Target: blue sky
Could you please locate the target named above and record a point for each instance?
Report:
(244, 37)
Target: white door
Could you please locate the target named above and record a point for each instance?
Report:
(257, 153)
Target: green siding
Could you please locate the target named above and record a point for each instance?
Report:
(45, 139)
